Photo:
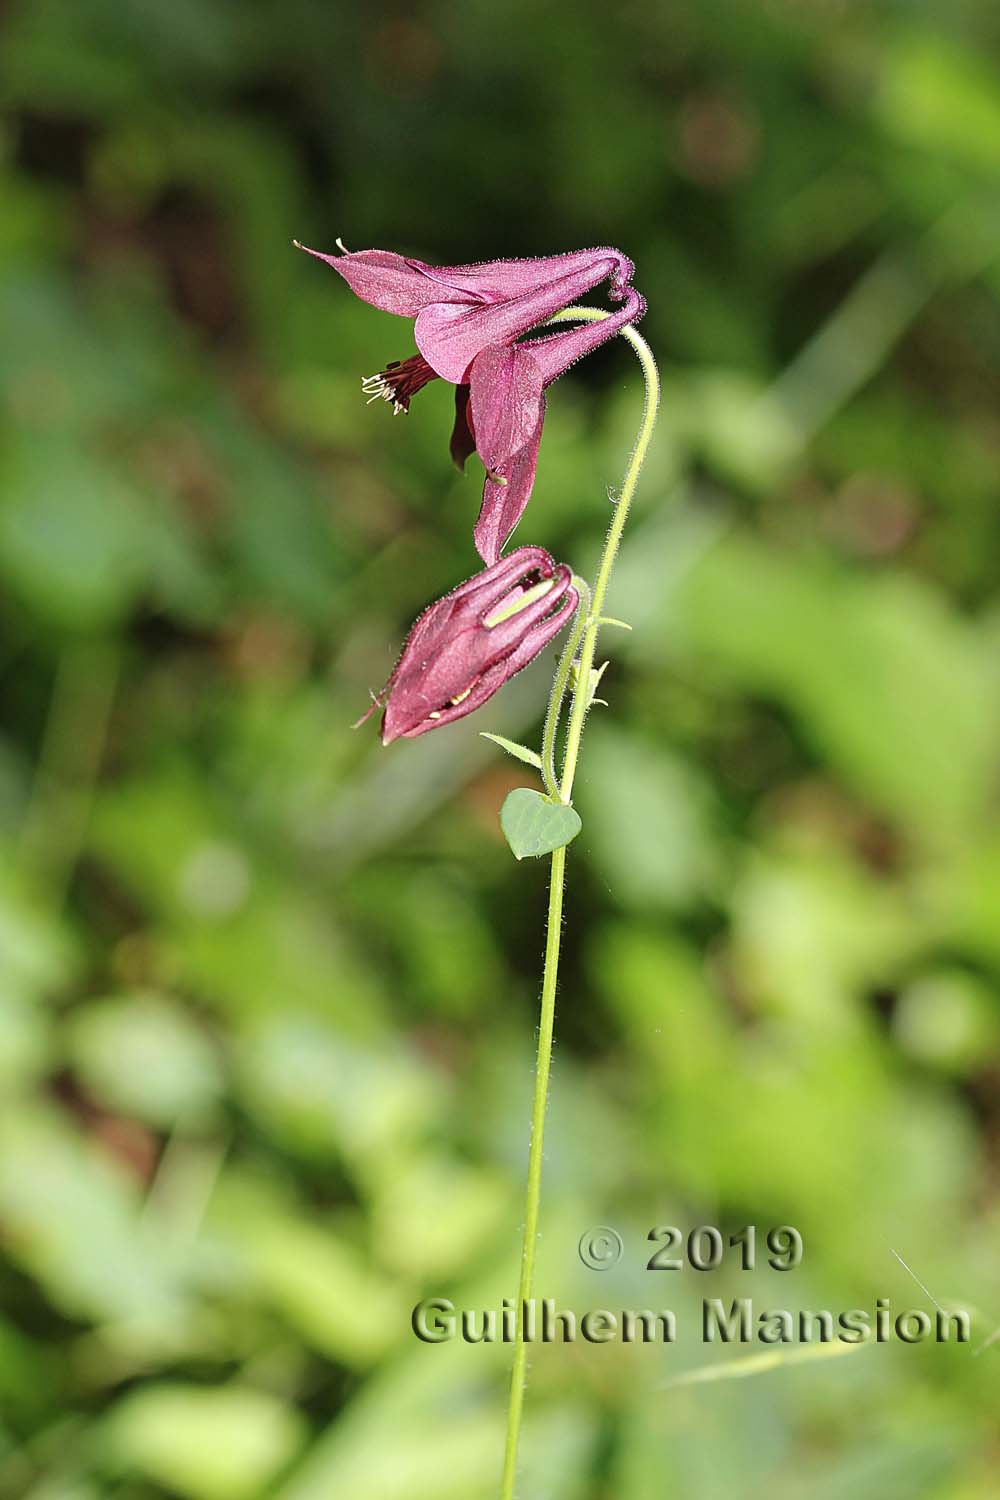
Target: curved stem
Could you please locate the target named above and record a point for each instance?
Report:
(581, 697)
(585, 629)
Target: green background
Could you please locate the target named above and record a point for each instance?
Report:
(268, 991)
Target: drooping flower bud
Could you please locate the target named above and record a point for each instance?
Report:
(466, 645)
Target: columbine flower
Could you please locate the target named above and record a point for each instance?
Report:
(468, 322)
(466, 645)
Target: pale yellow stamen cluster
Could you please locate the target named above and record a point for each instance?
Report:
(376, 387)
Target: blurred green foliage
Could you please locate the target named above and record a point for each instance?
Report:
(267, 992)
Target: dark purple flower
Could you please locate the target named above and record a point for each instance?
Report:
(466, 645)
(468, 322)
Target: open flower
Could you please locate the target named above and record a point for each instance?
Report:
(466, 645)
(468, 320)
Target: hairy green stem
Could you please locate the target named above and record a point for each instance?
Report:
(584, 637)
(532, 1199)
(560, 684)
(592, 625)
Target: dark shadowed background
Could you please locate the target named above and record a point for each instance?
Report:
(268, 991)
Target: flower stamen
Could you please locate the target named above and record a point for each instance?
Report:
(376, 388)
(399, 382)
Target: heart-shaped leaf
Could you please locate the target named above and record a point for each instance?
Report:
(533, 825)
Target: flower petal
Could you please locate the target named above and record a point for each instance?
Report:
(503, 504)
(505, 387)
(546, 626)
(463, 440)
(555, 352)
(485, 589)
(511, 633)
(394, 283)
(449, 334)
(499, 280)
